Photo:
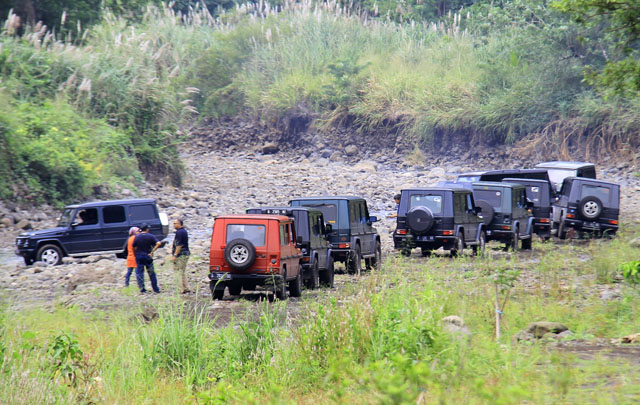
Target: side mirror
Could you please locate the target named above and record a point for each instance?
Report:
(328, 228)
(477, 210)
(373, 219)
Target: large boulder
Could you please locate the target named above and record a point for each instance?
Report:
(538, 330)
(24, 225)
(351, 150)
(454, 325)
(270, 148)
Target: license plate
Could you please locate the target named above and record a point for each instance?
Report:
(426, 238)
(593, 225)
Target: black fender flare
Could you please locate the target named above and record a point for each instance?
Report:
(458, 227)
(52, 242)
(481, 228)
(530, 225)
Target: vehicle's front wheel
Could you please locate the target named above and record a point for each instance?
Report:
(51, 255)
(459, 246)
(478, 250)
(295, 285)
(326, 277)
(27, 260)
(375, 263)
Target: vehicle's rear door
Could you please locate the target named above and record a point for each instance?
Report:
(115, 227)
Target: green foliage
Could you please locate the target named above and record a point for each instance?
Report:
(65, 356)
(631, 272)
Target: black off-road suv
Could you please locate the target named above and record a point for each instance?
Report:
(505, 213)
(558, 171)
(352, 237)
(538, 192)
(92, 228)
(312, 234)
(587, 205)
(435, 217)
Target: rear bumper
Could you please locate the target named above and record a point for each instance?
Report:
(423, 241)
(542, 228)
(499, 235)
(220, 279)
(595, 226)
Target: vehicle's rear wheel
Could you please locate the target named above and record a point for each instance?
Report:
(51, 255)
(459, 246)
(281, 287)
(515, 241)
(478, 250)
(425, 252)
(528, 243)
(314, 281)
(235, 289)
(405, 252)
(218, 294)
(326, 277)
(295, 285)
(355, 262)
(562, 230)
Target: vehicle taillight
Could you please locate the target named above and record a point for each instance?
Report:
(305, 259)
(545, 220)
(613, 221)
(215, 268)
(401, 231)
(344, 245)
(505, 227)
(571, 215)
(447, 232)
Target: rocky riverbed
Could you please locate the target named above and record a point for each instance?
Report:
(228, 181)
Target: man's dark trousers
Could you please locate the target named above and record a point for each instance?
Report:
(143, 261)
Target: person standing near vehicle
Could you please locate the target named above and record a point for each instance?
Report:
(144, 245)
(131, 257)
(396, 198)
(180, 256)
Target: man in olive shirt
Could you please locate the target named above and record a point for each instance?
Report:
(144, 245)
(180, 256)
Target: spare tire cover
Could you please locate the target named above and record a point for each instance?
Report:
(240, 254)
(487, 211)
(419, 219)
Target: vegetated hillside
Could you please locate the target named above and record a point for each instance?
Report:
(492, 73)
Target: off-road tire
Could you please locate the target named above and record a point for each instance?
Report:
(425, 252)
(562, 232)
(355, 263)
(240, 254)
(295, 285)
(487, 212)
(515, 240)
(375, 262)
(458, 247)
(528, 243)
(314, 281)
(479, 249)
(326, 276)
(51, 255)
(419, 219)
(280, 287)
(235, 289)
(217, 294)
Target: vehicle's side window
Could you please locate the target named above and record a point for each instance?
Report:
(365, 212)
(291, 235)
(353, 213)
(142, 212)
(113, 214)
(316, 228)
(458, 203)
(469, 202)
(283, 235)
(87, 216)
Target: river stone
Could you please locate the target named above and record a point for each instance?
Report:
(366, 166)
(635, 242)
(454, 325)
(270, 148)
(537, 330)
(351, 150)
(6, 221)
(24, 224)
(437, 172)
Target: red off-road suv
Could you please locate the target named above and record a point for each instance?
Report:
(250, 250)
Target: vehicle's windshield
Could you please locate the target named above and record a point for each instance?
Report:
(493, 197)
(253, 233)
(431, 201)
(65, 218)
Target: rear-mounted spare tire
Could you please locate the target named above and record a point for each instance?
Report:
(420, 219)
(487, 211)
(240, 254)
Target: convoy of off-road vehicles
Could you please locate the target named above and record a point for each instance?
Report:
(284, 248)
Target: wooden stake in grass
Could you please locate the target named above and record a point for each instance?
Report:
(504, 279)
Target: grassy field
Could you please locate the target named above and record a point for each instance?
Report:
(378, 338)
